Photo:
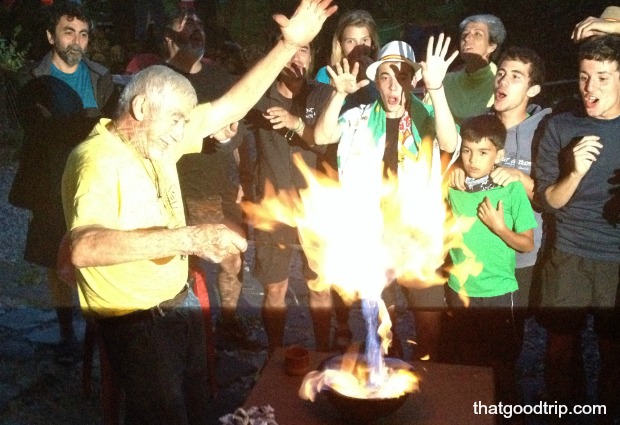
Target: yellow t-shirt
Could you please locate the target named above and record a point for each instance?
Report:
(106, 182)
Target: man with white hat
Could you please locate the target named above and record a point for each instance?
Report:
(396, 75)
(392, 129)
(608, 23)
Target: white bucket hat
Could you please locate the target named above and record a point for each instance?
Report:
(394, 51)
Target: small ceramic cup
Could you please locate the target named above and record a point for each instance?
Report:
(296, 360)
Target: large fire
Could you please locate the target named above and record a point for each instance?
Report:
(360, 234)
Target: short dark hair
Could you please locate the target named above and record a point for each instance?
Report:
(527, 56)
(70, 9)
(486, 126)
(604, 48)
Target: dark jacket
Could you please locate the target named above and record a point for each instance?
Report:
(51, 131)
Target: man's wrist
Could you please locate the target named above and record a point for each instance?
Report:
(289, 45)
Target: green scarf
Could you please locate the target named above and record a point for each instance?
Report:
(419, 120)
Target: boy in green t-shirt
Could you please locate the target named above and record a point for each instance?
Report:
(482, 277)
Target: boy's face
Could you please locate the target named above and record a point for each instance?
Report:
(512, 86)
(480, 157)
(395, 81)
(599, 84)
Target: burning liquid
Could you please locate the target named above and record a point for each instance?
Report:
(360, 235)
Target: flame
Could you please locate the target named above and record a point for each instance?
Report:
(351, 378)
(363, 232)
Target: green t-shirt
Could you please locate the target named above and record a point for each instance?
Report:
(497, 260)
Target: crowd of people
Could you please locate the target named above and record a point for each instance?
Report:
(134, 190)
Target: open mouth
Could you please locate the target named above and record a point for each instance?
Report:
(590, 101)
(499, 95)
(393, 100)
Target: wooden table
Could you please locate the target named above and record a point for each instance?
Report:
(447, 395)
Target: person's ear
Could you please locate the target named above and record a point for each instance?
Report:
(139, 108)
(50, 37)
(500, 156)
(492, 48)
(533, 91)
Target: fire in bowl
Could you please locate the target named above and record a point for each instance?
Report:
(358, 407)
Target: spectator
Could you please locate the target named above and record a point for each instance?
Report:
(470, 90)
(209, 195)
(60, 100)
(519, 78)
(282, 122)
(398, 122)
(576, 169)
(355, 38)
(503, 222)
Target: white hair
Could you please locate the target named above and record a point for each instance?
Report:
(157, 83)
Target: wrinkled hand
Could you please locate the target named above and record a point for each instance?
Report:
(214, 242)
(306, 22)
(227, 132)
(281, 118)
(505, 175)
(593, 26)
(491, 217)
(344, 78)
(457, 178)
(585, 153)
(436, 65)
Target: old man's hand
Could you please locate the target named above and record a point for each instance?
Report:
(225, 134)
(306, 22)
(214, 242)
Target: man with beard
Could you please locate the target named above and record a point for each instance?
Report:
(209, 194)
(282, 122)
(60, 100)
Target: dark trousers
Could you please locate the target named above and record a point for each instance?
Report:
(161, 364)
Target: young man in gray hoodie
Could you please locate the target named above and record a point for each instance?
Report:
(520, 74)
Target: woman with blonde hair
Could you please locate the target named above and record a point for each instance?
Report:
(355, 38)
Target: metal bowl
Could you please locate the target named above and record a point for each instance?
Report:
(363, 410)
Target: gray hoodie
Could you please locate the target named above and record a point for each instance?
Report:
(518, 154)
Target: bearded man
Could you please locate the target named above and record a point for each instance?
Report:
(60, 100)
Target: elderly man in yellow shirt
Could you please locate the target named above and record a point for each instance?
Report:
(130, 243)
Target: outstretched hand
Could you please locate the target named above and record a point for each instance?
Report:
(306, 22)
(435, 67)
(214, 242)
(344, 78)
